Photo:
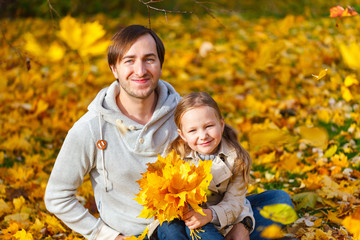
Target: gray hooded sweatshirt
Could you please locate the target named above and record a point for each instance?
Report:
(113, 171)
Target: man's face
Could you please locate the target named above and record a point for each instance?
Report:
(139, 69)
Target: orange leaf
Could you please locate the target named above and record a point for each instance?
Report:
(336, 11)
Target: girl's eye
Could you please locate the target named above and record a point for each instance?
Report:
(209, 126)
(192, 130)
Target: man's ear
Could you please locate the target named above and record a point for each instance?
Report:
(181, 135)
(113, 69)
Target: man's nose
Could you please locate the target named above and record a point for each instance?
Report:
(140, 68)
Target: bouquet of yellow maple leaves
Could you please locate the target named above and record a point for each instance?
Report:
(170, 185)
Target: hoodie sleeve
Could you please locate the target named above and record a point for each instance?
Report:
(74, 162)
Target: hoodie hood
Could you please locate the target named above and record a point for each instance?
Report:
(161, 125)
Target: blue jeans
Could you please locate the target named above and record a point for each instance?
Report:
(177, 230)
(258, 201)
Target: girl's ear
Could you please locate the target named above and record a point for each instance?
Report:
(181, 135)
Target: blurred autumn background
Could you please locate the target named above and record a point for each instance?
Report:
(285, 74)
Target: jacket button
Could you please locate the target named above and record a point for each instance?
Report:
(141, 140)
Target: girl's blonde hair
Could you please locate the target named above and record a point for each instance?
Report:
(199, 99)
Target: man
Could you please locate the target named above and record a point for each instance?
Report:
(128, 124)
(115, 160)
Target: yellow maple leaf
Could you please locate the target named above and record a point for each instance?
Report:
(314, 136)
(54, 224)
(18, 217)
(313, 181)
(340, 160)
(170, 184)
(37, 225)
(269, 138)
(54, 52)
(12, 229)
(282, 213)
(41, 106)
(346, 94)
(32, 46)
(320, 234)
(272, 232)
(351, 55)
(83, 37)
(324, 115)
(4, 207)
(321, 75)
(333, 217)
(18, 203)
(352, 223)
(351, 80)
(330, 151)
(70, 32)
(23, 235)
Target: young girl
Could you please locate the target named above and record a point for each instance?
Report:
(203, 136)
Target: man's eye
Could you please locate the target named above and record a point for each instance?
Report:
(150, 60)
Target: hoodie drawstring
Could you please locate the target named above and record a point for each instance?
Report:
(101, 144)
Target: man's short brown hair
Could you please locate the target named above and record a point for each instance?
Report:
(126, 37)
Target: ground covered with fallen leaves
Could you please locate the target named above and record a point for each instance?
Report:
(289, 86)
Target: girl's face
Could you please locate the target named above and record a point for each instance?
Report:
(201, 129)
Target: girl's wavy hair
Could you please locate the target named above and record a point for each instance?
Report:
(199, 99)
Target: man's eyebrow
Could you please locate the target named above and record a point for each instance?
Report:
(146, 55)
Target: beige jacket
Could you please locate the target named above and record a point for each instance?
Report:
(228, 192)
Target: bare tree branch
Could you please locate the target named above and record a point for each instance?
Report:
(18, 51)
(208, 10)
(147, 4)
(52, 10)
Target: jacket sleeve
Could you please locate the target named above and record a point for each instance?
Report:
(247, 212)
(74, 162)
(232, 206)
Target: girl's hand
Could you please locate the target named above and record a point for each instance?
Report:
(238, 232)
(195, 220)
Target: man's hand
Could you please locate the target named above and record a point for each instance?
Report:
(195, 220)
(238, 232)
(121, 237)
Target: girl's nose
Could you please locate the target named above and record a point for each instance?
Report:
(203, 135)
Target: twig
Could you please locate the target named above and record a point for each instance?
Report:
(208, 10)
(165, 11)
(21, 55)
(51, 10)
